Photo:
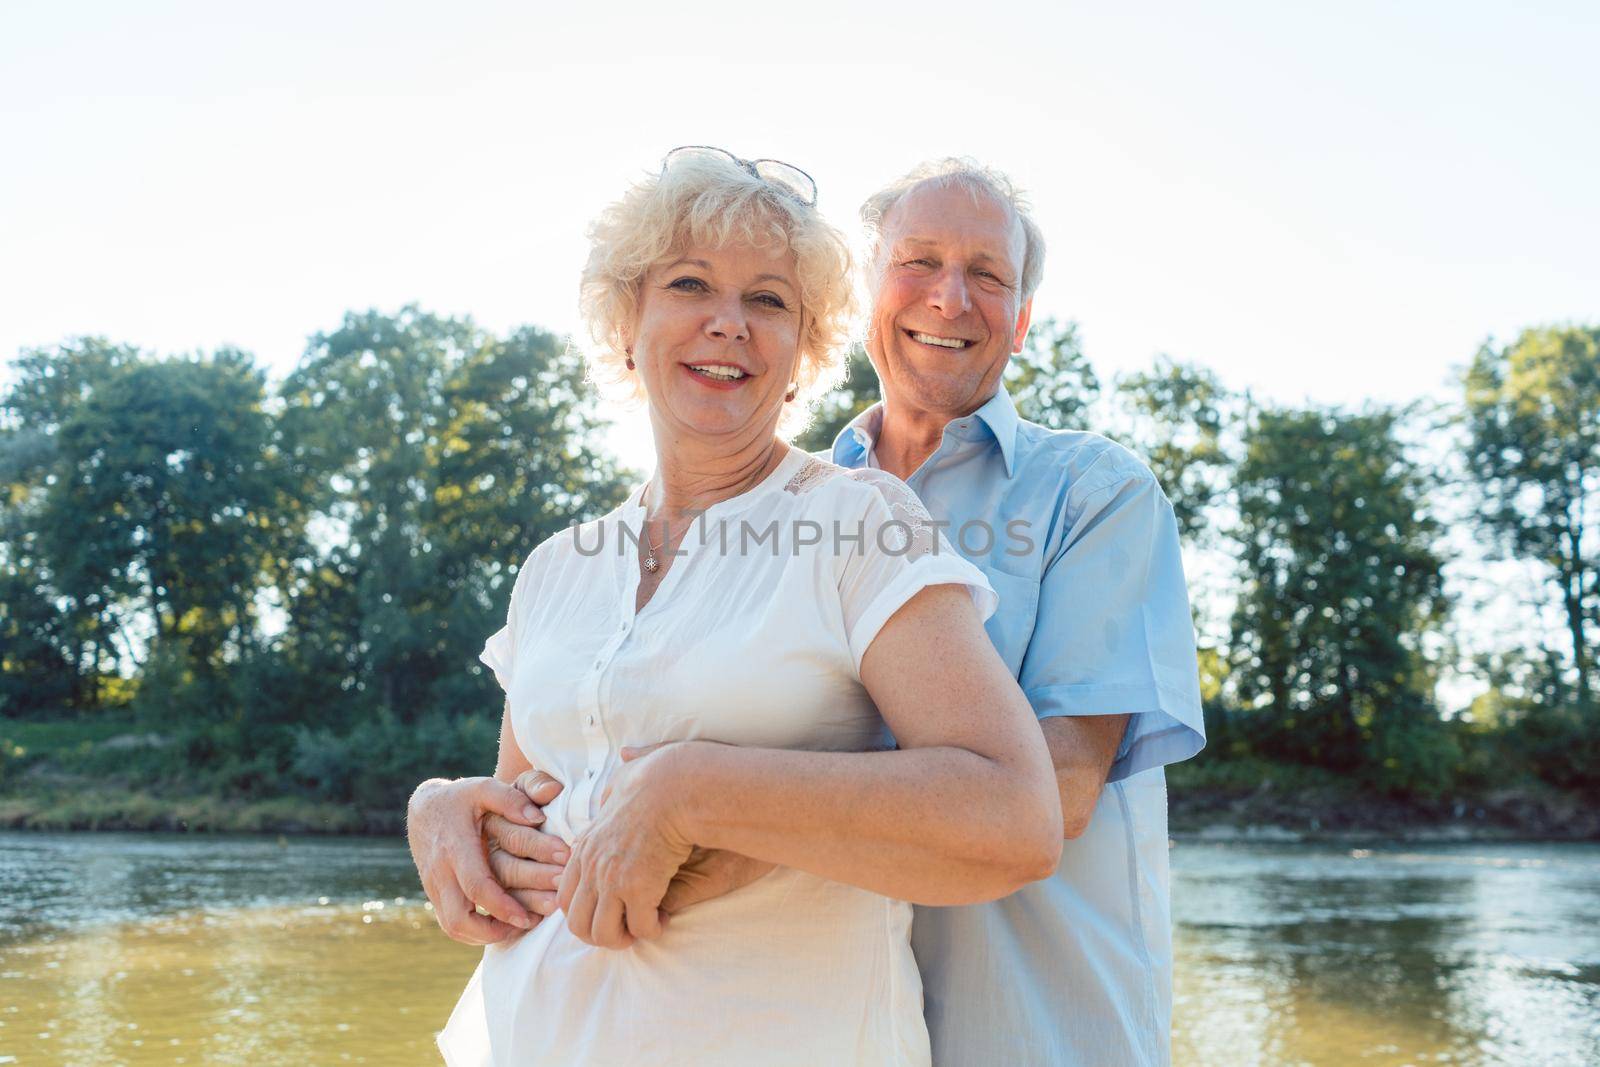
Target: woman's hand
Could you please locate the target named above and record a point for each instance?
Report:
(622, 865)
(444, 827)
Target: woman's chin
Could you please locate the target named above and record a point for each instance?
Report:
(717, 420)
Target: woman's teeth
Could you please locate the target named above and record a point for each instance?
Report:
(942, 342)
(721, 374)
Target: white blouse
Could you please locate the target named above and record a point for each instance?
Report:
(754, 637)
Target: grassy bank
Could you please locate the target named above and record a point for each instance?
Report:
(100, 775)
(1252, 798)
(86, 806)
(111, 774)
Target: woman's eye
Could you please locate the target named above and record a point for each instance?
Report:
(916, 263)
(687, 285)
(772, 300)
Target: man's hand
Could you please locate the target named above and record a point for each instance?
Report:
(444, 827)
(710, 873)
(528, 862)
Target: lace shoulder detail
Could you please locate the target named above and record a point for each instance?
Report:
(910, 531)
(811, 474)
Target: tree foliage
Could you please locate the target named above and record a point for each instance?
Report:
(857, 393)
(1050, 380)
(1340, 578)
(1180, 414)
(292, 584)
(246, 563)
(1533, 417)
(440, 457)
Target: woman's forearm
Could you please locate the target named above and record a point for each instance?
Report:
(935, 825)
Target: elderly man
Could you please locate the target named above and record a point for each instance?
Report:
(1079, 541)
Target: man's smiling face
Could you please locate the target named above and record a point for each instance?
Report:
(948, 312)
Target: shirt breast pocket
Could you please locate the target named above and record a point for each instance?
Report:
(1011, 626)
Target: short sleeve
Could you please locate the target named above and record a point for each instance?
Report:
(899, 553)
(1113, 633)
(499, 651)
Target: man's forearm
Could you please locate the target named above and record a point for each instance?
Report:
(930, 825)
(1082, 749)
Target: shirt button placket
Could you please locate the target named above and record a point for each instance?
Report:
(594, 733)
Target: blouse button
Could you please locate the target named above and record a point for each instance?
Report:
(591, 720)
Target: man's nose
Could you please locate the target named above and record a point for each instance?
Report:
(728, 322)
(948, 293)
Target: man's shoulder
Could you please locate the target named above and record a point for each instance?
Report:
(1081, 460)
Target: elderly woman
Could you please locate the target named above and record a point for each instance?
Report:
(763, 621)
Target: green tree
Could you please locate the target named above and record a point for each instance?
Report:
(46, 562)
(857, 393)
(442, 457)
(1533, 421)
(1340, 581)
(1050, 380)
(1179, 414)
(173, 477)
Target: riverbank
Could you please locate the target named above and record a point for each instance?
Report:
(86, 776)
(1270, 811)
(84, 807)
(1259, 801)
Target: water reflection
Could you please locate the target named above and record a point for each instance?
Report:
(144, 950)
(1462, 954)
(270, 985)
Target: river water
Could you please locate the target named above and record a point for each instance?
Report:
(147, 949)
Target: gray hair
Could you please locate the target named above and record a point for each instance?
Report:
(977, 180)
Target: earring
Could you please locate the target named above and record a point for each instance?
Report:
(630, 362)
(794, 390)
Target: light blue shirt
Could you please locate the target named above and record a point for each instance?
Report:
(1093, 620)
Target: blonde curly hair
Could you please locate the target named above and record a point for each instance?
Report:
(709, 200)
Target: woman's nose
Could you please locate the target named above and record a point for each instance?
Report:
(728, 323)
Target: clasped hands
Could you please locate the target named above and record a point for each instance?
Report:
(477, 844)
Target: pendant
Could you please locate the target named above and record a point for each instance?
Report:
(650, 563)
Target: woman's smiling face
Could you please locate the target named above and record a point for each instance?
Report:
(717, 340)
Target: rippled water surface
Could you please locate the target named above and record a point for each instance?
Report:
(155, 950)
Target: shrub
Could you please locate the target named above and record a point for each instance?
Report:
(378, 762)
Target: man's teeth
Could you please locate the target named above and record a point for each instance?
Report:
(942, 342)
(721, 374)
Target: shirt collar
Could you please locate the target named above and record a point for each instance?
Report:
(998, 414)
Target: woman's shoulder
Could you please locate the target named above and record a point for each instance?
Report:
(859, 486)
(575, 542)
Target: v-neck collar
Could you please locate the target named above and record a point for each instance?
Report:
(632, 514)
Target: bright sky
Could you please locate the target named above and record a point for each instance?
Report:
(1331, 201)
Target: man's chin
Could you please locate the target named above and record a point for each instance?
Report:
(944, 393)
